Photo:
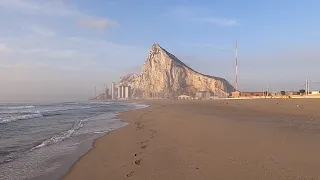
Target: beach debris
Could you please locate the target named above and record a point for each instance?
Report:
(298, 106)
(137, 162)
(143, 147)
(130, 174)
(135, 154)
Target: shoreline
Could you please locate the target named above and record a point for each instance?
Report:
(94, 142)
(93, 145)
(63, 169)
(208, 140)
(69, 160)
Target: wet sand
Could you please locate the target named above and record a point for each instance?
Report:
(221, 139)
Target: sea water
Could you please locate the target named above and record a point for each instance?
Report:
(42, 141)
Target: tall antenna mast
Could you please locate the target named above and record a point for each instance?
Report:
(236, 65)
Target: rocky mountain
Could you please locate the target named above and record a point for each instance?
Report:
(165, 76)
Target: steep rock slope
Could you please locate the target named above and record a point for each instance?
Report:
(165, 76)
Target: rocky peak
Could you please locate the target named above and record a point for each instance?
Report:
(164, 75)
(156, 51)
(156, 47)
(161, 56)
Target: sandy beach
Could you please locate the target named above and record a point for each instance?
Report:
(221, 139)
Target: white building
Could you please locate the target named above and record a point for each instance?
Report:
(119, 92)
(184, 97)
(315, 92)
(124, 92)
(112, 90)
(127, 91)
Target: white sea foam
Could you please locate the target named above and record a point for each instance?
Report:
(66, 109)
(61, 136)
(44, 112)
(139, 106)
(35, 114)
(18, 107)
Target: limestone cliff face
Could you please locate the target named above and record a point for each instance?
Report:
(165, 76)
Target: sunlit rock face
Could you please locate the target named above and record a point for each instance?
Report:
(165, 76)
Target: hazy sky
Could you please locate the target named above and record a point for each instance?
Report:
(54, 50)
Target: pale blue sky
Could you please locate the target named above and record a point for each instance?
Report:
(65, 47)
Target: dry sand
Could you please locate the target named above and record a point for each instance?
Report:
(222, 139)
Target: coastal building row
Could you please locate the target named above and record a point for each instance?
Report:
(238, 94)
(123, 91)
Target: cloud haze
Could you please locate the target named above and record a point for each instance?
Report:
(219, 21)
(198, 14)
(4, 48)
(41, 31)
(41, 61)
(43, 8)
(96, 23)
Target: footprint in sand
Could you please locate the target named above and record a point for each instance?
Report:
(130, 174)
(142, 142)
(137, 162)
(153, 132)
(140, 127)
(136, 154)
(143, 147)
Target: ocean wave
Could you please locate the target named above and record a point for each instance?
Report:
(4, 152)
(70, 103)
(66, 109)
(17, 114)
(138, 106)
(36, 114)
(50, 114)
(43, 110)
(17, 107)
(101, 132)
(61, 136)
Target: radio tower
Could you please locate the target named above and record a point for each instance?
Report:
(236, 65)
